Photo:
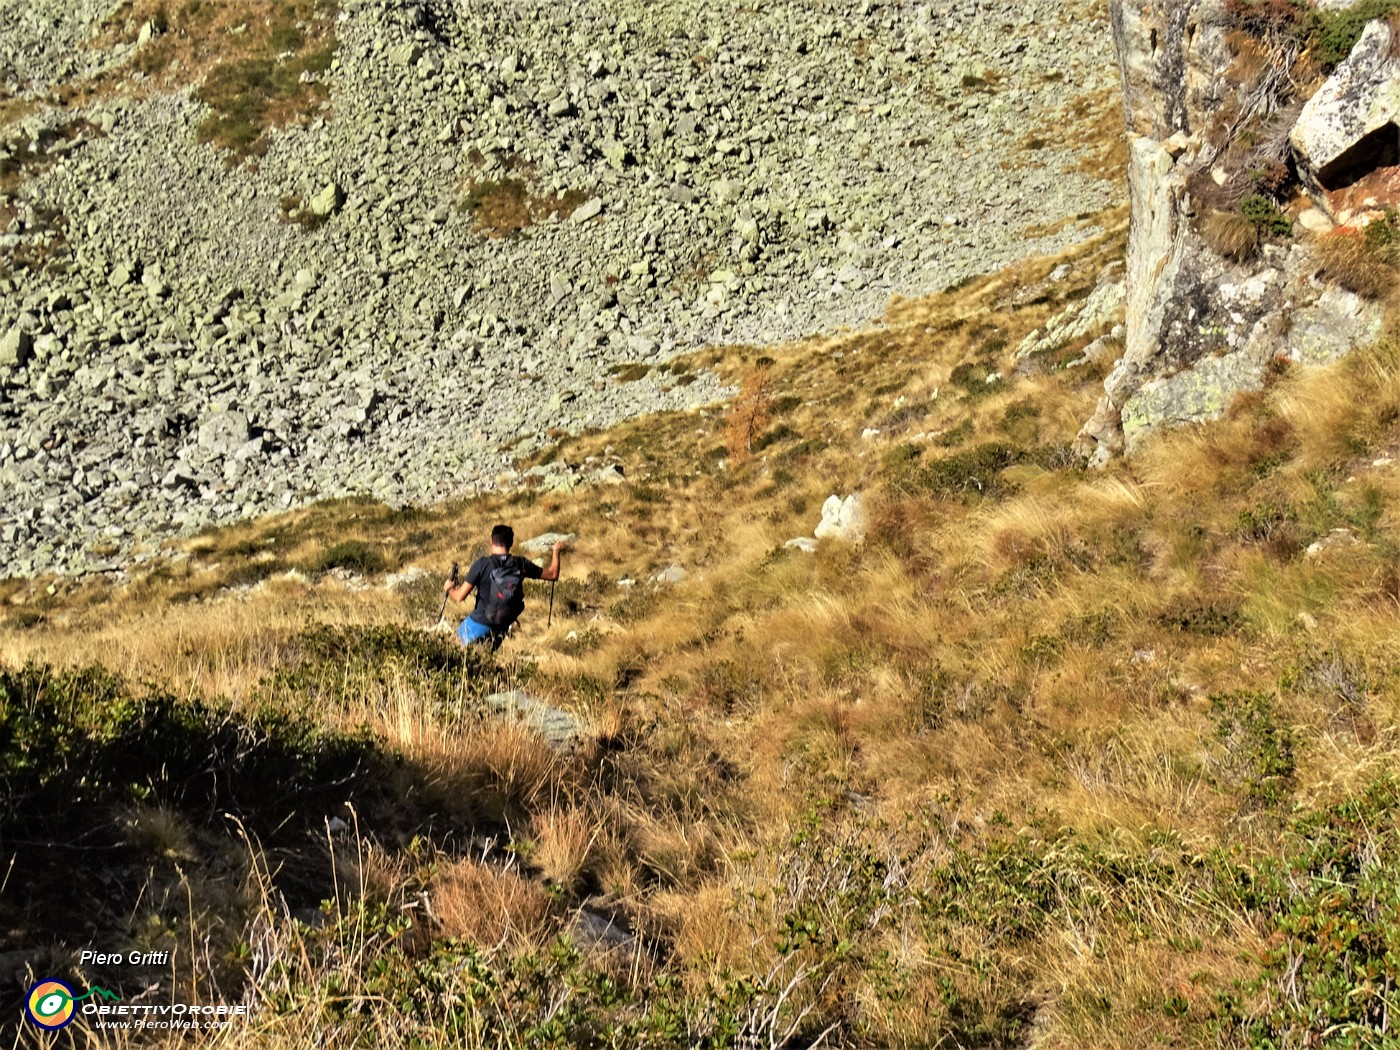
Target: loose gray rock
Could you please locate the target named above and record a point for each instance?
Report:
(682, 150)
(589, 209)
(542, 543)
(671, 575)
(405, 54)
(223, 433)
(328, 201)
(558, 727)
(16, 347)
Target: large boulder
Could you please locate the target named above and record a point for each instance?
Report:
(328, 201)
(843, 519)
(1351, 126)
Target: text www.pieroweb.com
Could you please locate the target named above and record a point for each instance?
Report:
(165, 1017)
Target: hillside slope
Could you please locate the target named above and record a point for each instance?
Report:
(1051, 759)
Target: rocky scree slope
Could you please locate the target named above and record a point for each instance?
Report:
(175, 352)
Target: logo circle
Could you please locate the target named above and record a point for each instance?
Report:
(49, 1004)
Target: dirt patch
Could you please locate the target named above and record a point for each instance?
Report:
(505, 204)
(1377, 189)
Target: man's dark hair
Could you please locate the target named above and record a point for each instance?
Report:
(503, 536)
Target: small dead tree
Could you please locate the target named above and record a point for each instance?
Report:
(749, 415)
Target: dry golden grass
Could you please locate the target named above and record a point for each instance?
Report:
(1040, 658)
(489, 906)
(562, 841)
(1346, 258)
(497, 773)
(1230, 234)
(503, 207)
(221, 649)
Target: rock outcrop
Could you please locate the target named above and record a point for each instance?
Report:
(1203, 322)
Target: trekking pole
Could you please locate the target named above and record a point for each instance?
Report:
(550, 618)
(443, 610)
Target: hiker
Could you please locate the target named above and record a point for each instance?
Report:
(498, 580)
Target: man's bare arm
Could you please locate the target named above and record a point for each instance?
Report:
(552, 573)
(458, 593)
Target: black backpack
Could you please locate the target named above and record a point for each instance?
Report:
(502, 600)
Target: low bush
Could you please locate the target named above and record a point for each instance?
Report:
(1329, 35)
(343, 668)
(1335, 32)
(1265, 216)
(782, 432)
(1197, 615)
(955, 436)
(74, 742)
(1255, 755)
(1331, 901)
(975, 378)
(973, 471)
(351, 555)
(249, 96)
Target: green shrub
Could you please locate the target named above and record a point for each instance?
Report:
(1263, 521)
(782, 432)
(802, 450)
(251, 573)
(1266, 217)
(352, 555)
(637, 605)
(1332, 899)
(1334, 33)
(898, 458)
(1196, 615)
(1256, 748)
(955, 436)
(74, 742)
(1329, 35)
(976, 470)
(1383, 234)
(971, 378)
(336, 668)
(249, 96)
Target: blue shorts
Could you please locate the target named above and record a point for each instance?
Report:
(472, 632)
